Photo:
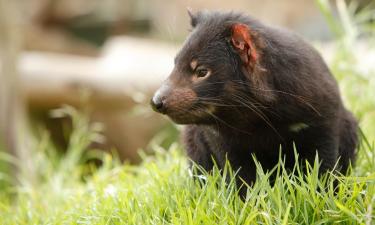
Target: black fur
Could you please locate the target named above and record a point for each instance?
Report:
(289, 98)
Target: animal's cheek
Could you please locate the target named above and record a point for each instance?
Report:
(230, 87)
(180, 100)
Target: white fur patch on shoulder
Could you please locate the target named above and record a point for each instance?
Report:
(297, 127)
(211, 108)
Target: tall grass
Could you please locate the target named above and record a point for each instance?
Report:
(162, 190)
(71, 189)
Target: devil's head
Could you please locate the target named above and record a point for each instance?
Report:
(217, 71)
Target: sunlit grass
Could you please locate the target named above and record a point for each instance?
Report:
(162, 190)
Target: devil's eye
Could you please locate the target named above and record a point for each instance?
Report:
(202, 72)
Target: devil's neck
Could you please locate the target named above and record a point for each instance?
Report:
(240, 126)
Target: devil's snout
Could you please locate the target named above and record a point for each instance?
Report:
(157, 103)
(158, 100)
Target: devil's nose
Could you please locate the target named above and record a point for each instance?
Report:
(160, 96)
(157, 104)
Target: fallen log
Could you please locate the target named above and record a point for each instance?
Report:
(112, 85)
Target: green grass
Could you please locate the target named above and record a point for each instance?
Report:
(70, 189)
(162, 190)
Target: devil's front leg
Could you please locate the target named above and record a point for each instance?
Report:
(197, 148)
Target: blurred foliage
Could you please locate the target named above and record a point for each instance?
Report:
(355, 35)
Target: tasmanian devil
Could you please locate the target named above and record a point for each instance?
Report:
(244, 88)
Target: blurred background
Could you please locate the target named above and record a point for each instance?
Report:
(107, 57)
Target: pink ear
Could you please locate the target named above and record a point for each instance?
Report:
(243, 43)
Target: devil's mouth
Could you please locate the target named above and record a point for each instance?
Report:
(192, 115)
(183, 117)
